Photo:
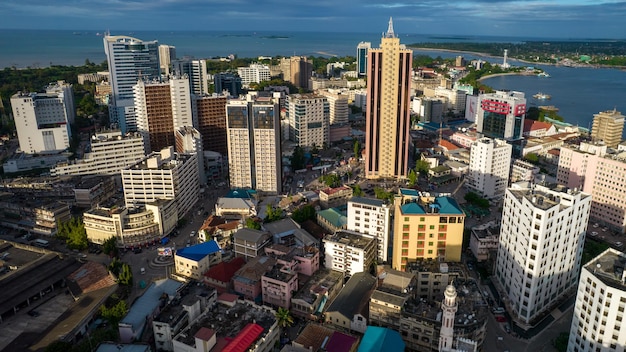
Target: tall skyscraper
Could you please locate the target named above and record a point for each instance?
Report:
(541, 243)
(210, 114)
(167, 55)
(361, 57)
(129, 59)
(489, 168)
(608, 127)
(161, 109)
(600, 305)
(387, 113)
(501, 114)
(309, 116)
(196, 71)
(254, 153)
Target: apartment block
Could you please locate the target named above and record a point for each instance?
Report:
(489, 167)
(338, 105)
(210, 114)
(608, 127)
(254, 73)
(195, 70)
(309, 119)
(371, 217)
(349, 252)
(542, 235)
(250, 243)
(310, 301)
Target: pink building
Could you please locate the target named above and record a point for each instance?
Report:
(278, 285)
(247, 280)
(464, 139)
(303, 260)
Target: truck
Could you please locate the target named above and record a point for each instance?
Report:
(41, 243)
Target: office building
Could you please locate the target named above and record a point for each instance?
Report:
(65, 92)
(601, 172)
(129, 60)
(501, 114)
(542, 235)
(426, 227)
(371, 217)
(196, 72)
(227, 82)
(489, 167)
(109, 153)
(361, 58)
(300, 70)
(163, 175)
(338, 106)
(210, 114)
(254, 152)
(608, 127)
(600, 305)
(167, 55)
(309, 117)
(189, 141)
(161, 109)
(387, 114)
(255, 73)
(42, 121)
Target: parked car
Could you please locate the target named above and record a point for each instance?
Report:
(497, 310)
(500, 319)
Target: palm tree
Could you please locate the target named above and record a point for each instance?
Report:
(284, 318)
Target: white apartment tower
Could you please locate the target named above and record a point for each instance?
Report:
(65, 92)
(339, 108)
(189, 141)
(600, 305)
(129, 60)
(163, 175)
(489, 167)
(253, 135)
(541, 242)
(254, 73)
(309, 116)
(42, 121)
(371, 217)
(196, 71)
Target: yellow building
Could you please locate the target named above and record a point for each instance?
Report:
(426, 227)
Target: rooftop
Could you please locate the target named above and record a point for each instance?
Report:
(199, 251)
(417, 203)
(225, 271)
(381, 339)
(318, 284)
(252, 271)
(145, 304)
(369, 201)
(250, 235)
(277, 274)
(350, 238)
(354, 296)
(333, 216)
(609, 267)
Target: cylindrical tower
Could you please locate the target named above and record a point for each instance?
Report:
(449, 307)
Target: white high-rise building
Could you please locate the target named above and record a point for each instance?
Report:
(254, 153)
(196, 71)
(167, 55)
(309, 117)
(373, 218)
(489, 167)
(542, 235)
(338, 104)
(163, 175)
(600, 305)
(500, 114)
(254, 73)
(129, 59)
(110, 152)
(42, 121)
(65, 92)
(189, 141)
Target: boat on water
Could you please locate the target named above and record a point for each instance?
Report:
(542, 96)
(543, 74)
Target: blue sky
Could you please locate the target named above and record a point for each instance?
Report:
(525, 18)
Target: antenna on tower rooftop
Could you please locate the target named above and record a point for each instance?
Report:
(390, 33)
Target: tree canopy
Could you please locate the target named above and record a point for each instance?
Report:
(109, 247)
(331, 180)
(284, 318)
(303, 214)
(273, 214)
(253, 224)
(74, 234)
(298, 159)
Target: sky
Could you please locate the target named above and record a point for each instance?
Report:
(521, 18)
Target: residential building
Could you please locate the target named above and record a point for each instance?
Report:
(361, 58)
(278, 285)
(220, 276)
(426, 226)
(289, 233)
(339, 110)
(247, 281)
(350, 309)
(387, 114)
(501, 114)
(109, 153)
(433, 277)
(303, 260)
(484, 241)
(600, 305)
(489, 167)
(235, 208)
(332, 220)
(210, 114)
(187, 140)
(596, 170)
(297, 70)
(550, 223)
(167, 56)
(310, 301)
(94, 190)
(316, 337)
(195, 70)
(191, 263)
(393, 290)
(33, 215)
(523, 171)
(608, 127)
(371, 217)
(349, 252)
(42, 120)
(161, 109)
(163, 175)
(254, 152)
(334, 197)
(227, 82)
(255, 73)
(250, 243)
(533, 128)
(309, 119)
(129, 60)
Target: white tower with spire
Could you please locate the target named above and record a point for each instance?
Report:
(449, 307)
(506, 55)
(390, 33)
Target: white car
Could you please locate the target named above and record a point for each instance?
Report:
(193, 233)
(594, 234)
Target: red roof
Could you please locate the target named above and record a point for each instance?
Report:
(205, 334)
(335, 190)
(244, 339)
(448, 145)
(532, 125)
(227, 297)
(224, 271)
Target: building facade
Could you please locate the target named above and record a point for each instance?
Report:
(489, 167)
(361, 58)
(371, 217)
(210, 113)
(501, 114)
(550, 224)
(255, 73)
(387, 114)
(309, 119)
(196, 72)
(349, 252)
(608, 127)
(339, 109)
(167, 55)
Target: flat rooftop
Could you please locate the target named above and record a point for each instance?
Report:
(609, 267)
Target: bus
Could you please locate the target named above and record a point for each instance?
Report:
(41, 243)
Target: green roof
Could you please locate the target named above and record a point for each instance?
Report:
(334, 217)
(446, 205)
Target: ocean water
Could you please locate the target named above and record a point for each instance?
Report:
(577, 92)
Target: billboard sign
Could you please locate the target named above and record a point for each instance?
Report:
(165, 251)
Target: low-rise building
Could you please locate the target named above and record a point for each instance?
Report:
(249, 243)
(235, 208)
(193, 262)
(350, 252)
(393, 290)
(523, 171)
(334, 197)
(349, 311)
(278, 285)
(310, 301)
(303, 260)
(332, 220)
(315, 337)
(37, 216)
(484, 241)
(92, 191)
(247, 280)
(220, 276)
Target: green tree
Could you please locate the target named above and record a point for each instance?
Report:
(115, 266)
(74, 234)
(114, 314)
(297, 159)
(273, 214)
(252, 224)
(422, 167)
(357, 191)
(380, 193)
(330, 180)
(126, 275)
(532, 158)
(412, 178)
(109, 247)
(284, 318)
(356, 147)
(303, 214)
(560, 343)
